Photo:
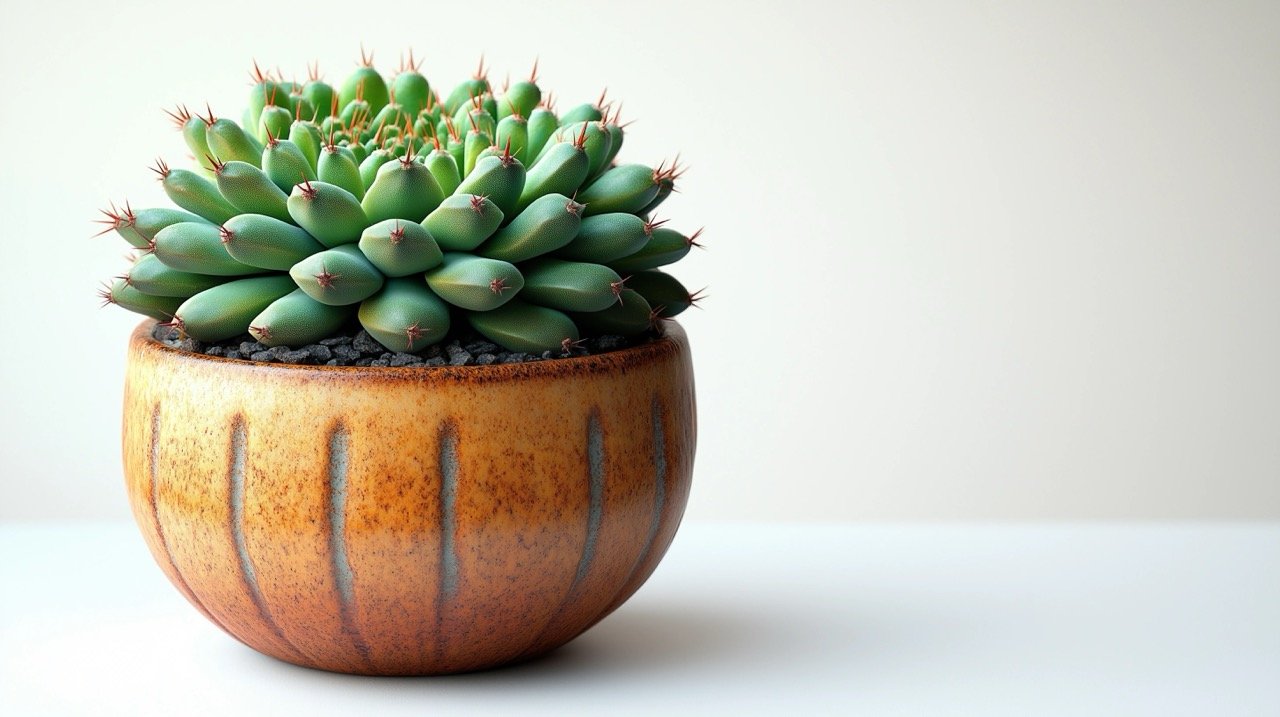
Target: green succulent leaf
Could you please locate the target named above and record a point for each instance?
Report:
(296, 319)
(519, 326)
(474, 282)
(405, 316)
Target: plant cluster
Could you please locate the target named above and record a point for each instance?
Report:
(380, 202)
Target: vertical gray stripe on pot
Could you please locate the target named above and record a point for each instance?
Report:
(659, 502)
(153, 470)
(155, 455)
(660, 477)
(595, 490)
(248, 573)
(338, 466)
(448, 459)
(237, 510)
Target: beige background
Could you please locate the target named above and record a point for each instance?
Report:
(976, 260)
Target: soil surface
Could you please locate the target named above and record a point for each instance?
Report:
(360, 349)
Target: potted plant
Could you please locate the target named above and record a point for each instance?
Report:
(409, 399)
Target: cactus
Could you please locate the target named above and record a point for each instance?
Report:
(376, 201)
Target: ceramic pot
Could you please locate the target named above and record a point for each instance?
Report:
(401, 521)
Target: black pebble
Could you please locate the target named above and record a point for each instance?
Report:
(403, 359)
(458, 356)
(365, 344)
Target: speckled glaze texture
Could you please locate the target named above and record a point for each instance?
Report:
(399, 521)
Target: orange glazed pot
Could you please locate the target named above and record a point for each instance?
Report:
(408, 521)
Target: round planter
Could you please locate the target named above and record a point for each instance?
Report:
(402, 521)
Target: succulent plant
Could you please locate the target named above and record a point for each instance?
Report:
(378, 201)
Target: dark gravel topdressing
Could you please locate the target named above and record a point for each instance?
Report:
(360, 349)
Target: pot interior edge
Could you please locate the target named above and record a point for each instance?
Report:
(672, 342)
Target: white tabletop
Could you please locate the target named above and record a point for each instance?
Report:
(867, 620)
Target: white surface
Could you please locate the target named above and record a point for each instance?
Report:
(1035, 241)
(879, 620)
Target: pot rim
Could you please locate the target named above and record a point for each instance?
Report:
(670, 343)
